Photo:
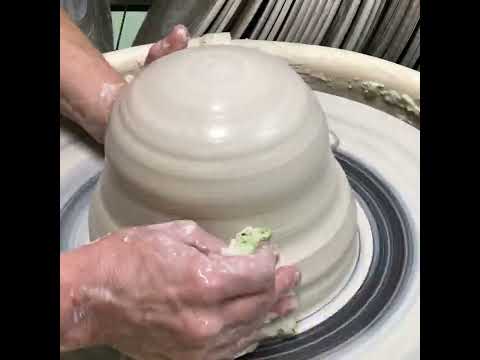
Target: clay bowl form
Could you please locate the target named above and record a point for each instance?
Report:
(231, 137)
(318, 168)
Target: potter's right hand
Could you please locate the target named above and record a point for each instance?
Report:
(166, 292)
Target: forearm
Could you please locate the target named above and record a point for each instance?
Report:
(78, 322)
(88, 84)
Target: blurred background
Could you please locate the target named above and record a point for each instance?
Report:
(388, 29)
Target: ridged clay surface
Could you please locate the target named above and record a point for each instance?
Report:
(230, 137)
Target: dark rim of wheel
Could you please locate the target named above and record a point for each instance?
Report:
(392, 237)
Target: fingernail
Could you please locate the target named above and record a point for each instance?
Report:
(182, 30)
(298, 278)
(271, 316)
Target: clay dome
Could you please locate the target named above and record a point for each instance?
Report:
(230, 137)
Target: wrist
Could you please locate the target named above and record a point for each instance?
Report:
(88, 83)
(91, 110)
(79, 318)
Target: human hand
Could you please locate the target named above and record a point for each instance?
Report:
(176, 40)
(166, 292)
(89, 85)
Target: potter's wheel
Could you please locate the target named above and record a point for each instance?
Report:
(376, 313)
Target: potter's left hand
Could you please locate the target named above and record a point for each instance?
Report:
(88, 84)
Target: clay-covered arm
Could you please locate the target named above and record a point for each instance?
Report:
(79, 270)
(88, 84)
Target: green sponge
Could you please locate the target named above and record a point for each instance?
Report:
(247, 241)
